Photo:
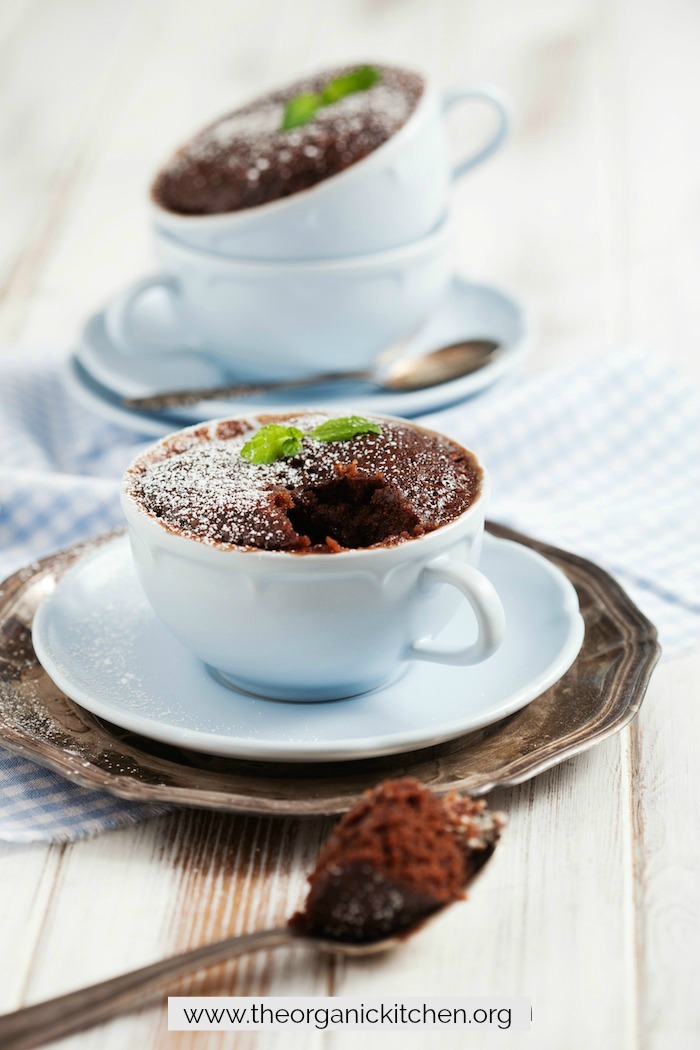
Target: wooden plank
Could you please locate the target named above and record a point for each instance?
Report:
(663, 311)
(537, 218)
(28, 877)
(53, 68)
(663, 158)
(109, 912)
(13, 14)
(666, 814)
(243, 874)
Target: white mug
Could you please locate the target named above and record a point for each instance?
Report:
(281, 320)
(390, 198)
(309, 627)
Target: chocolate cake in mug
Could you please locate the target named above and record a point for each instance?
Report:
(308, 557)
(368, 144)
(387, 483)
(248, 158)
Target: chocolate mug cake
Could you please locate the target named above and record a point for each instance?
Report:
(308, 557)
(288, 140)
(305, 483)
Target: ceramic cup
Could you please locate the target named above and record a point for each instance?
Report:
(280, 320)
(392, 197)
(307, 627)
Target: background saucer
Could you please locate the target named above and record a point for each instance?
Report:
(108, 406)
(467, 310)
(99, 640)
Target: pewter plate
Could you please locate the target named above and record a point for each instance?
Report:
(597, 696)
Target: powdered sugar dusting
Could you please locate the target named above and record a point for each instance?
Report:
(199, 485)
(355, 121)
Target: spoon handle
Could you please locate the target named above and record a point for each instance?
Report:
(34, 1025)
(175, 398)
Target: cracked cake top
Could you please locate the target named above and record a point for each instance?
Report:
(320, 495)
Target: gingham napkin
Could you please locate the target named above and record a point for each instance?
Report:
(602, 458)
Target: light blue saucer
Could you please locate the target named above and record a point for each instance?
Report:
(99, 640)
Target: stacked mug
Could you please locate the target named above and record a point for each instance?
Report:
(323, 280)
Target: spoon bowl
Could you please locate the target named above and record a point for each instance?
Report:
(439, 366)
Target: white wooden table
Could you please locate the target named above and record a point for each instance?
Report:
(592, 905)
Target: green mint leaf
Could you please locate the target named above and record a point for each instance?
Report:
(359, 80)
(303, 108)
(300, 111)
(344, 428)
(271, 443)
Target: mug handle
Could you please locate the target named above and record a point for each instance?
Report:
(119, 314)
(486, 605)
(500, 103)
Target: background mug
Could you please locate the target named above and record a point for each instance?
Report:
(393, 196)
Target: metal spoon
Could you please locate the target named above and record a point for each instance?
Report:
(34, 1025)
(415, 373)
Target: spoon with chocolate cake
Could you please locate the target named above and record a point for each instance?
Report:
(402, 376)
(398, 858)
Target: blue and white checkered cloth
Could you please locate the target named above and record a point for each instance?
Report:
(602, 458)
